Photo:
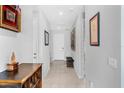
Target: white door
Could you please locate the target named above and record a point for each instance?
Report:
(58, 47)
(35, 37)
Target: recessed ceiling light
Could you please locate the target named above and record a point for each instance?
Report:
(71, 9)
(58, 27)
(60, 13)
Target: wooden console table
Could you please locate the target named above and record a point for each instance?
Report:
(28, 75)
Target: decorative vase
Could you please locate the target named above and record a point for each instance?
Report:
(13, 64)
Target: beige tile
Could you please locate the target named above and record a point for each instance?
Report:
(61, 76)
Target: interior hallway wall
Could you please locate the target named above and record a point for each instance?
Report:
(122, 46)
(98, 58)
(8, 43)
(25, 43)
(45, 51)
(20, 43)
(26, 37)
(79, 51)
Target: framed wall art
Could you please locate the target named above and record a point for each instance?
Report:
(73, 41)
(46, 38)
(10, 17)
(94, 30)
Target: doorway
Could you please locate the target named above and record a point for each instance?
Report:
(35, 37)
(58, 46)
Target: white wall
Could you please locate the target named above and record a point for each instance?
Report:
(67, 43)
(78, 53)
(26, 36)
(45, 52)
(22, 43)
(122, 46)
(8, 43)
(98, 71)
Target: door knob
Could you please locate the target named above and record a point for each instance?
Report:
(34, 57)
(35, 53)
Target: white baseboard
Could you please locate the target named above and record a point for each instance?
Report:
(80, 77)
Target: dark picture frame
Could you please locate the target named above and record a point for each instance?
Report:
(94, 24)
(73, 39)
(46, 38)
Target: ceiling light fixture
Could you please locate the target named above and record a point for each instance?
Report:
(60, 13)
(58, 27)
(71, 9)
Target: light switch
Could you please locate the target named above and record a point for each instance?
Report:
(91, 85)
(112, 62)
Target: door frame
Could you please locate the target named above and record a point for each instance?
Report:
(53, 58)
(35, 23)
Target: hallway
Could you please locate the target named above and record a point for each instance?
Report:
(60, 76)
(89, 34)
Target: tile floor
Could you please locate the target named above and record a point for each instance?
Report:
(61, 76)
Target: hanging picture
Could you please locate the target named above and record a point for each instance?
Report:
(73, 41)
(94, 30)
(10, 17)
(46, 38)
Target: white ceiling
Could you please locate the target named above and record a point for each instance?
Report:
(61, 16)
